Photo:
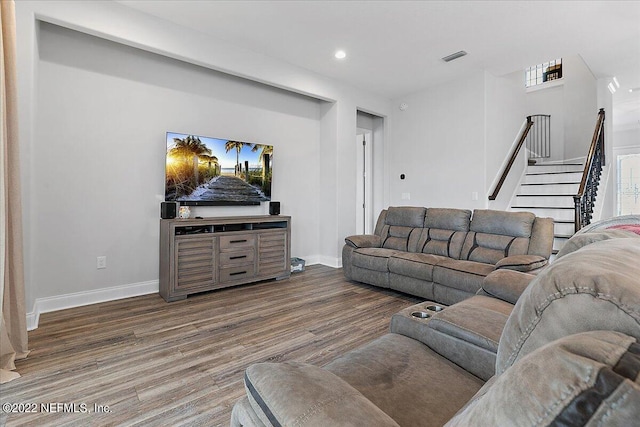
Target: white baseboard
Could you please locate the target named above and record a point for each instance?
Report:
(77, 299)
(323, 260)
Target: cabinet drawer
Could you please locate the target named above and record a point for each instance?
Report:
(240, 257)
(237, 241)
(240, 272)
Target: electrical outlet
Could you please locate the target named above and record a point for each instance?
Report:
(406, 196)
(101, 262)
(474, 195)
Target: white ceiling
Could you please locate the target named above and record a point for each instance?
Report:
(395, 47)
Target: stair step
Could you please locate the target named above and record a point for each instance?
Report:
(564, 227)
(545, 201)
(562, 236)
(556, 188)
(557, 213)
(555, 178)
(558, 242)
(564, 167)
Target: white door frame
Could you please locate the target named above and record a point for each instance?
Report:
(364, 181)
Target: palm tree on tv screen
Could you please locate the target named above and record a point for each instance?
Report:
(265, 154)
(191, 147)
(211, 160)
(235, 145)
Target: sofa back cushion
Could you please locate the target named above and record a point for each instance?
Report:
(495, 235)
(444, 233)
(399, 224)
(593, 288)
(584, 379)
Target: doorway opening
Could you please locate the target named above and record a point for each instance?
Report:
(369, 170)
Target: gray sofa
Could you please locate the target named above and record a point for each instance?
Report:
(567, 353)
(445, 254)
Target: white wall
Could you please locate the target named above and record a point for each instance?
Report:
(573, 106)
(452, 141)
(626, 138)
(505, 114)
(99, 147)
(550, 100)
(581, 106)
(80, 97)
(438, 142)
(606, 200)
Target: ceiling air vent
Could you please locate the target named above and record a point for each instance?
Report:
(453, 56)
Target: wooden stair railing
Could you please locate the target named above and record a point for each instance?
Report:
(585, 199)
(512, 159)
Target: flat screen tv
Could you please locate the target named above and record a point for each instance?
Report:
(204, 171)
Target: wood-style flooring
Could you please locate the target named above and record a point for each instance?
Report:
(158, 364)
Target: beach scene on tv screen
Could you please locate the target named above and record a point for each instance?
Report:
(204, 169)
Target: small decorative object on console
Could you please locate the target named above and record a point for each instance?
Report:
(184, 212)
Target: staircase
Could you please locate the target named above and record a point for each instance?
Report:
(565, 191)
(547, 190)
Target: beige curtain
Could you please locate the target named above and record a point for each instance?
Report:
(13, 321)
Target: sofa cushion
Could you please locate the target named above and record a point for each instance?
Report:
(444, 232)
(478, 320)
(579, 240)
(372, 258)
(407, 380)
(495, 235)
(418, 266)
(447, 219)
(406, 216)
(398, 237)
(584, 379)
(491, 248)
(522, 263)
(594, 288)
(438, 241)
(516, 224)
(296, 394)
(400, 223)
(468, 332)
(463, 275)
(363, 241)
(506, 285)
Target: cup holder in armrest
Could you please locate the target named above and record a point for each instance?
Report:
(435, 308)
(420, 314)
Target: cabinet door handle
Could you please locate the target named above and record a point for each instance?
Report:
(237, 273)
(238, 241)
(237, 257)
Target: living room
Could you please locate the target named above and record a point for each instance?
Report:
(100, 83)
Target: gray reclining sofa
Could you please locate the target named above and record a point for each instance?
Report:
(565, 345)
(444, 254)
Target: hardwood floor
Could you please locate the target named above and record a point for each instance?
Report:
(159, 364)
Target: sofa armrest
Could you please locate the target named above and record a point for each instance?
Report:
(292, 393)
(364, 241)
(506, 285)
(524, 263)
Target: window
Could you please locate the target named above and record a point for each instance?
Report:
(541, 73)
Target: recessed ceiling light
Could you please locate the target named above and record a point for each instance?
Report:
(612, 88)
(616, 82)
(453, 56)
(340, 54)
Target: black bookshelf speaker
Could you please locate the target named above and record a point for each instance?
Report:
(168, 210)
(274, 208)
